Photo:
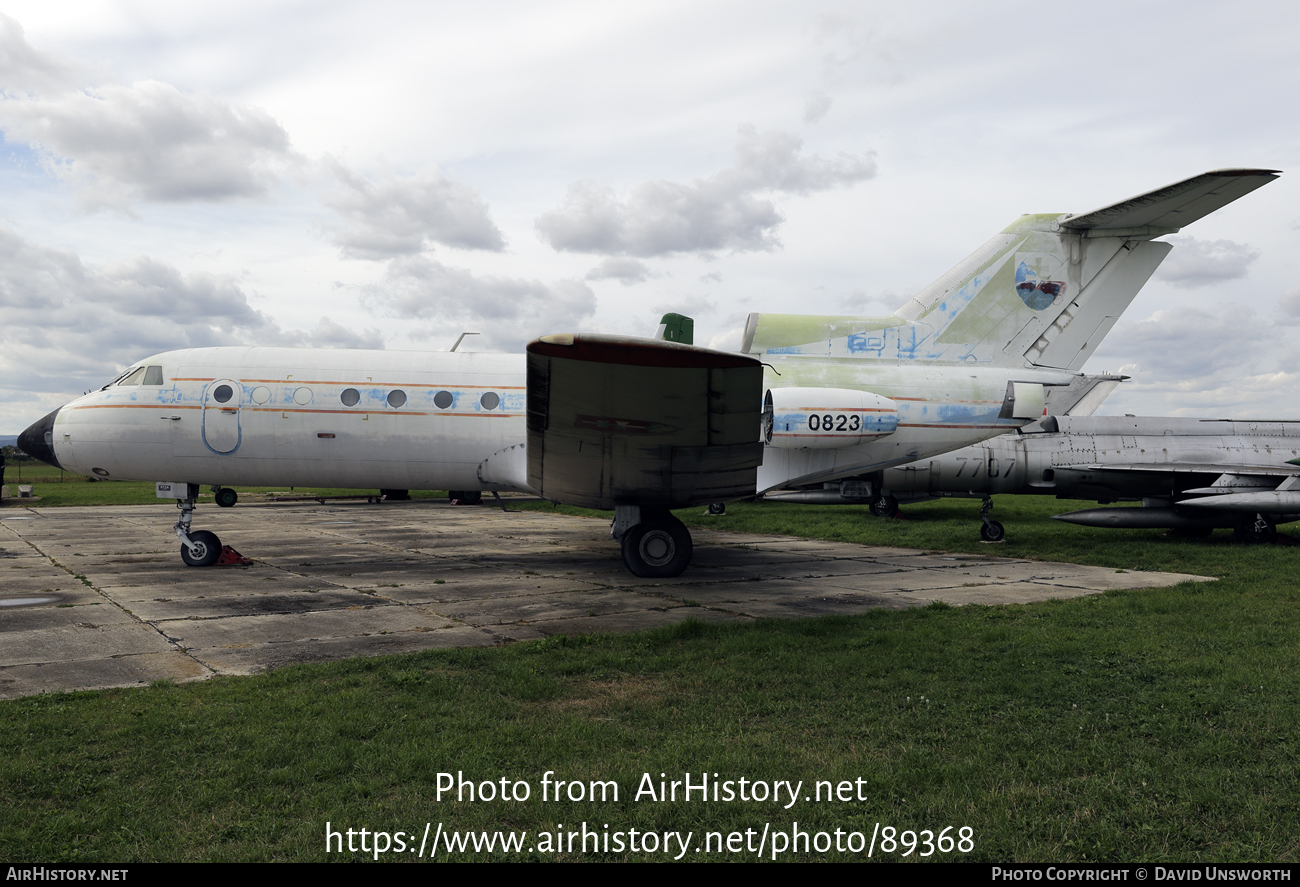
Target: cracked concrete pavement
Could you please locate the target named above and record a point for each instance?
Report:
(98, 597)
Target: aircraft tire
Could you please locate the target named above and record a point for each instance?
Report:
(1256, 530)
(227, 497)
(209, 549)
(657, 548)
(993, 531)
(717, 508)
(885, 506)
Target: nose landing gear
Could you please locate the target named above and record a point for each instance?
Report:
(200, 548)
(203, 549)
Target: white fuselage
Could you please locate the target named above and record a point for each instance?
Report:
(419, 420)
(434, 420)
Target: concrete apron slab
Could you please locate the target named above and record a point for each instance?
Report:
(98, 597)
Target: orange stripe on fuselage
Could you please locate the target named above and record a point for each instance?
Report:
(163, 406)
(358, 384)
(136, 406)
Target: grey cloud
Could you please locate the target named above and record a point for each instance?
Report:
(815, 107)
(329, 334)
(626, 271)
(691, 306)
(508, 311)
(1194, 263)
(721, 212)
(69, 326)
(23, 68)
(1194, 361)
(149, 141)
(878, 305)
(1177, 346)
(1289, 306)
(397, 216)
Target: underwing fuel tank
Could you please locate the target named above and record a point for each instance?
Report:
(1166, 518)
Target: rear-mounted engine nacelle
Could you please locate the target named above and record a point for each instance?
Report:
(825, 418)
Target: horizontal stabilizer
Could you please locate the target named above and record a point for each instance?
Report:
(1173, 206)
(615, 420)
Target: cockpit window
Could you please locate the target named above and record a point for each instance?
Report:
(139, 376)
(133, 377)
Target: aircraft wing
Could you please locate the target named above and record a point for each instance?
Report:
(1165, 210)
(1240, 489)
(1197, 468)
(615, 420)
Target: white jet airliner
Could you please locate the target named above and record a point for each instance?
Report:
(640, 426)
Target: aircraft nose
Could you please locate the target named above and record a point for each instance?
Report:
(38, 440)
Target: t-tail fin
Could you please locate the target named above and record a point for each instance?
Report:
(1043, 292)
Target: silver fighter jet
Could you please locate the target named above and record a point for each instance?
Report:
(1191, 475)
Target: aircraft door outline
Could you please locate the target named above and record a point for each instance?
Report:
(222, 405)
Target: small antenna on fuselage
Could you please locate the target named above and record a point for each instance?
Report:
(462, 339)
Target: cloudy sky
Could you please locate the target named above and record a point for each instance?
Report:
(387, 175)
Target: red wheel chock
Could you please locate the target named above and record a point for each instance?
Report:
(230, 557)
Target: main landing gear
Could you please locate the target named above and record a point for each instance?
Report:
(655, 544)
(225, 496)
(885, 505)
(1255, 529)
(991, 531)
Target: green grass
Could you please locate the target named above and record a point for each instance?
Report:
(1157, 725)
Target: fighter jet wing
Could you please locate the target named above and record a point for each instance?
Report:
(1280, 471)
(1243, 489)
